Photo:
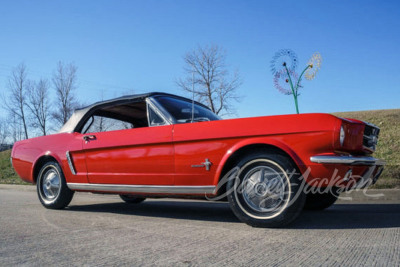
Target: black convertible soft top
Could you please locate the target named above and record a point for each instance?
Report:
(79, 114)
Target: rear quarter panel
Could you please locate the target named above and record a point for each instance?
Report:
(26, 154)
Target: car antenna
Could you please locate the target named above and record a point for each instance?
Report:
(192, 96)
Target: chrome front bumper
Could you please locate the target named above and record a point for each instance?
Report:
(351, 160)
(369, 177)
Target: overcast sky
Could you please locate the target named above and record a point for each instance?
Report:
(123, 47)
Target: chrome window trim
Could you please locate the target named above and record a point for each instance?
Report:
(161, 110)
(149, 102)
(161, 189)
(168, 115)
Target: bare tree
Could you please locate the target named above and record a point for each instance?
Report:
(207, 73)
(64, 81)
(15, 128)
(3, 132)
(15, 104)
(38, 104)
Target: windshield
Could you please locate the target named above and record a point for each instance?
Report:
(181, 110)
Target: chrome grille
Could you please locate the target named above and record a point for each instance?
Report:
(371, 133)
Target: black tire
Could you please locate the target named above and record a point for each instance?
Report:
(275, 208)
(51, 187)
(132, 199)
(321, 201)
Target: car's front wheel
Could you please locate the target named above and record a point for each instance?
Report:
(51, 186)
(267, 190)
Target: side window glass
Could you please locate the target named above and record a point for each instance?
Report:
(154, 118)
(104, 124)
(87, 124)
(123, 116)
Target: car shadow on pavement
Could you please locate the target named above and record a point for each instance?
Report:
(350, 216)
(185, 210)
(339, 216)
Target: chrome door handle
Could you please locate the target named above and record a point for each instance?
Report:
(87, 138)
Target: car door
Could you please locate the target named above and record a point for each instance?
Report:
(142, 156)
(135, 156)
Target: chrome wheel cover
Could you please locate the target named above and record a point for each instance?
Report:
(265, 190)
(50, 184)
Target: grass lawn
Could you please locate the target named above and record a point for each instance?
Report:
(7, 173)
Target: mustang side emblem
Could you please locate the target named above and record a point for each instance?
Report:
(206, 164)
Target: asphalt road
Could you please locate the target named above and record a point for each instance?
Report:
(101, 230)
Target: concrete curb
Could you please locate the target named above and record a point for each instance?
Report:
(356, 196)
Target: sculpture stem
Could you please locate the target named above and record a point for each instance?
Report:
(293, 91)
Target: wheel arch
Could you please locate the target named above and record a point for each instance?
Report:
(251, 146)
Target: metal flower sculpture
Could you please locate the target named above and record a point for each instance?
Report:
(314, 65)
(284, 56)
(286, 80)
(281, 81)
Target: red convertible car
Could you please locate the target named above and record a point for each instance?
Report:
(162, 145)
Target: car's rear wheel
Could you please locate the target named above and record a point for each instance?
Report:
(321, 200)
(132, 199)
(51, 187)
(267, 191)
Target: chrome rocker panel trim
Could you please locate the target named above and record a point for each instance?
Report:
(347, 160)
(118, 188)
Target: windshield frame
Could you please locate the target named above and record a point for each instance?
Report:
(169, 116)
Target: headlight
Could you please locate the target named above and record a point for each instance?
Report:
(342, 136)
